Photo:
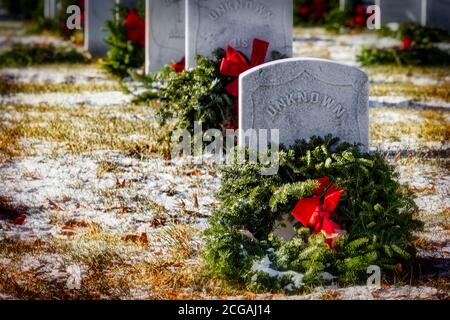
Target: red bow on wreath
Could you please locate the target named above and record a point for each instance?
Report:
(317, 211)
(135, 28)
(180, 65)
(235, 63)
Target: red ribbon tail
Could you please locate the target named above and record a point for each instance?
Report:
(330, 226)
(331, 200)
(259, 52)
(236, 111)
(233, 88)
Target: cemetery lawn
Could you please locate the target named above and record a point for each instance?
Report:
(85, 185)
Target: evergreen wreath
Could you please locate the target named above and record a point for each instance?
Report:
(375, 210)
(196, 95)
(126, 38)
(329, 14)
(417, 47)
(200, 94)
(312, 12)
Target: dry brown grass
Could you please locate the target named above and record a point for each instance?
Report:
(435, 127)
(420, 92)
(80, 130)
(438, 73)
(8, 88)
(330, 295)
(10, 142)
(114, 268)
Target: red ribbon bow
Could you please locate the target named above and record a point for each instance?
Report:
(235, 63)
(180, 65)
(317, 211)
(135, 28)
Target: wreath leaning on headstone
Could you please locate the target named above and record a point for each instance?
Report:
(207, 93)
(349, 209)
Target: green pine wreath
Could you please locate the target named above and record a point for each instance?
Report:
(375, 210)
(124, 54)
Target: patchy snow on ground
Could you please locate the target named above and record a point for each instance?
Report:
(69, 185)
(8, 41)
(123, 195)
(391, 117)
(341, 48)
(57, 75)
(93, 99)
(407, 102)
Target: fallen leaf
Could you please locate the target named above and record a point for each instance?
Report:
(167, 156)
(120, 184)
(171, 295)
(195, 172)
(72, 224)
(138, 239)
(212, 173)
(196, 200)
(158, 222)
(53, 205)
(68, 232)
(20, 219)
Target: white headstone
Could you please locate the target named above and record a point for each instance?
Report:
(438, 13)
(127, 3)
(165, 26)
(97, 12)
(305, 97)
(213, 24)
(402, 11)
(50, 9)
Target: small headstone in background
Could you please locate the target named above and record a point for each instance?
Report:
(165, 37)
(305, 97)
(127, 3)
(402, 11)
(438, 14)
(97, 12)
(212, 24)
(50, 9)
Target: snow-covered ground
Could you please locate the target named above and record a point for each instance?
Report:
(138, 219)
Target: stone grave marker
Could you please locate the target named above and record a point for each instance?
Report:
(402, 11)
(51, 8)
(212, 24)
(438, 13)
(302, 98)
(97, 12)
(165, 36)
(127, 3)
(305, 97)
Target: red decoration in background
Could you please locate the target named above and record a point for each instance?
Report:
(360, 17)
(359, 21)
(235, 63)
(231, 126)
(319, 8)
(407, 42)
(180, 65)
(135, 28)
(360, 10)
(317, 211)
(304, 10)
